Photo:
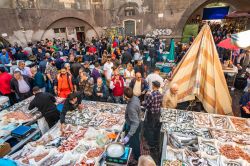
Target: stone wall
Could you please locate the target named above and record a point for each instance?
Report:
(31, 20)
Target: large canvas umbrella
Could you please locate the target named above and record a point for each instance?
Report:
(227, 44)
(199, 74)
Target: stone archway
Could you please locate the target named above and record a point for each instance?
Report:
(202, 3)
(63, 22)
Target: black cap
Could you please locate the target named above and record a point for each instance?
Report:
(156, 84)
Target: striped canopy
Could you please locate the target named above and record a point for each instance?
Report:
(199, 74)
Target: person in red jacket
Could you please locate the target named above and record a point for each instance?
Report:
(117, 86)
(5, 89)
(92, 49)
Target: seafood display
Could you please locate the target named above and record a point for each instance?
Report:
(94, 153)
(240, 124)
(198, 139)
(18, 116)
(234, 152)
(36, 158)
(105, 107)
(172, 163)
(181, 141)
(201, 119)
(221, 122)
(79, 117)
(52, 160)
(185, 117)
(72, 141)
(107, 120)
(168, 115)
(227, 136)
(208, 146)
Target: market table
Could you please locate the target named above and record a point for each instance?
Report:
(4, 102)
(85, 135)
(165, 67)
(190, 137)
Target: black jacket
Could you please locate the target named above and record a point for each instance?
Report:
(69, 107)
(74, 69)
(144, 84)
(126, 57)
(14, 84)
(45, 103)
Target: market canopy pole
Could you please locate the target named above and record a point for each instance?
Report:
(200, 74)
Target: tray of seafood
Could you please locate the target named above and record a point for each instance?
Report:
(19, 116)
(241, 124)
(172, 163)
(181, 141)
(233, 151)
(208, 146)
(105, 107)
(230, 136)
(185, 117)
(221, 122)
(228, 162)
(168, 115)
(202, 120)
(174, 154)
(81, 118)
(176, 127)
(108, 121)
(22, 105)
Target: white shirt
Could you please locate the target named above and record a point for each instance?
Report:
(23, 86)
(154, 77)
(129, 76)
(108, 68)
(26, 71)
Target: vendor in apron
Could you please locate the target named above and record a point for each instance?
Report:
(132, 126)
(72, 103)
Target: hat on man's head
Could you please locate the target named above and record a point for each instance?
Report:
(157, 84)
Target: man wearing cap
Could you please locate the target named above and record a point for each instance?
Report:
(153, 104)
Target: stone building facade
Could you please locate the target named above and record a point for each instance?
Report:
(23, 21)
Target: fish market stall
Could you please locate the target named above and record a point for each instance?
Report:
(201, 139)
(83, 141)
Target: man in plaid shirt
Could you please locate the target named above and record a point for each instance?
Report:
(153, 104)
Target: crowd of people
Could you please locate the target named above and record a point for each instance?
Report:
(104, 70)
(107, 70)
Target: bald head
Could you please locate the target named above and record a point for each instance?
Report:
(174, 88)
(138, 76)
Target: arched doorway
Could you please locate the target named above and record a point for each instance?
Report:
(129, 27)
(68, 28)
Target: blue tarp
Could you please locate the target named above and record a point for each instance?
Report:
(215, 13)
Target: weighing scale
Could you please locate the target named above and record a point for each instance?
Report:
(22, 132)
(121, 160)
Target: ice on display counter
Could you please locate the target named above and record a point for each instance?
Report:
(201, 139)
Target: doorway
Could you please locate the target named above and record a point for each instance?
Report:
(130, 27)
(80, 36)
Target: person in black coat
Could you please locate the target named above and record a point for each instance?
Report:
(45, 103)
(126, 56)
(72, 103)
